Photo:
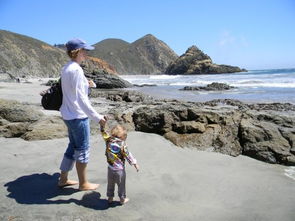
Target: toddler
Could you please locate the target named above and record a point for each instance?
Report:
(117, 153)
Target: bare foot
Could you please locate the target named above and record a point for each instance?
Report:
(67, 183)
(89, 186)
(124, 200)
(110, 199)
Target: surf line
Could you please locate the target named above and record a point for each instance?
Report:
(290, 172)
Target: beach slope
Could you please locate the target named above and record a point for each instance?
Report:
(172, 184)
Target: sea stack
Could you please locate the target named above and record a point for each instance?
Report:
(194, 61)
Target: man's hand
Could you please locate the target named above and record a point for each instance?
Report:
(103, 122)
(43, 92)
(91, 84)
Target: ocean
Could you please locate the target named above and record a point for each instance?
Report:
(256, 86)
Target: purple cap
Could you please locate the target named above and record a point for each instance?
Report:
(77, 43)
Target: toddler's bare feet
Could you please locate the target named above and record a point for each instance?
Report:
(88, 186)
(67, 183)
(124, 200)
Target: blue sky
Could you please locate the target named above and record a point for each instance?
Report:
(252, 34)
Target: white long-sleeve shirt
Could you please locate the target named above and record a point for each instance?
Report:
(75, 101)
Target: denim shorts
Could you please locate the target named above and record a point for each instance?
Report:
(79, 134)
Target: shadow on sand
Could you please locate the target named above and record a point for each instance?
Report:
(41, 188)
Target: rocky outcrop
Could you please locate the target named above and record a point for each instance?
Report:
(21, 120)
(27, 122)
(22, 56)
(13, 111)
(194, 61)
(210, 87)
(98, 65)
(108, 81)
(147, 55)
(103, 74)
(265, 135)
(261, 131)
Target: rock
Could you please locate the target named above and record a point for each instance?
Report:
(108, 81)
(229, 127)
(118, 95)
(3, 121)
(210, 87)
(194, 61)
(45, 129)
(13, 129)
(263, 141)
(185, 127)
(14, 111)
(21, 120)
(192, 126)
(264, 132)
(103, 74)
(99, 65)
(144, 85)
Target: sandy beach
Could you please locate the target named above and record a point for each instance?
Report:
(173, 183)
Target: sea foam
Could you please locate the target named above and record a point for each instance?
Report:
(290, 172)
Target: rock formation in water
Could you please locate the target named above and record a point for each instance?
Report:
(194, 61)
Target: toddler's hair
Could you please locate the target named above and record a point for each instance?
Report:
(119, 131)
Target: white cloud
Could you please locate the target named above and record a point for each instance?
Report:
(227, 39)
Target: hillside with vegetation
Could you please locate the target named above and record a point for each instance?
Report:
(147, 55)
(23, 56)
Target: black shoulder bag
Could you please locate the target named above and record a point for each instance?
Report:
(52, 99)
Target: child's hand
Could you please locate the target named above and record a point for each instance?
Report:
(136, 167)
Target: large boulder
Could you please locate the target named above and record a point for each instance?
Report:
(46, 128)
(14, 111)
(192, 126)
(268, 137)
(15, 118)
(194, 61)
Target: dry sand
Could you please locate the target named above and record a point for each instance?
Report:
(173, 183)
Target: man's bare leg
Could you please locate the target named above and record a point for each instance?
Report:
(124, 200)
(83, 183)
(64, 181)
